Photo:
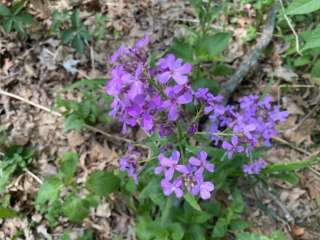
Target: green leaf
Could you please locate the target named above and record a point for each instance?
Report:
(78, 44)
(301, 61)
(49, 190)
(7, 213)
(25, 18)
(303, 7)
(67, 36)
(65, 236)
(220, 228)
(7, 24)
(284, 167)
(68, 165)
(19, 27)
(312, 39)
(7, 172)
(75, 19)
(18, 6)
(102, 183)
(75, 209)
(176, 230)
(315, 72)
(290, 177)
(212, 46)
(192, 201)
(73, 122)
(182, 50)
(4, 11)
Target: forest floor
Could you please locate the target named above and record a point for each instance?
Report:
(34, 70)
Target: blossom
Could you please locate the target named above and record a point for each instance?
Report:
(204, 189)
(129, 163)
(169, 165)
(177, 95)
(254, 167)
(172, 187)
(173, 68)
(200, 161)
(232, 147)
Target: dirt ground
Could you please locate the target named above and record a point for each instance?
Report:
(33, 69)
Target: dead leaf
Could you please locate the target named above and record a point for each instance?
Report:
(285, 74)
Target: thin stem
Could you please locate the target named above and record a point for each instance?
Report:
(219, 134)
(291, 27)
(31, 174)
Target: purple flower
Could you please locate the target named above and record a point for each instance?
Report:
(193, 129)
(120, 52)
(177, 95)
(166, 130)
(172, 68)
(143, 42)
(232, 147)
(255, 167)
(174, 187)
(204, 189)
(169, 165)
(129, 163)
(201, 163)
(277, 115)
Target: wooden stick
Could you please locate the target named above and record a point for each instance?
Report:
(94, 129)
(228, 88)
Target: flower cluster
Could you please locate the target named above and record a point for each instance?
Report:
(153, 96)
(251, 125)
(136, 100)
(129, 163)
(180, 178)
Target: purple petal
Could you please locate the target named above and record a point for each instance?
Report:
(203, 155)
(226, 145)
(169, 173)
(180, 79)
(173, 113)
(182, 169)
(185, 68)
(194, 161)
(175, 156)
(210, 167)
(178, 192)
(158, 170)
(163, 77)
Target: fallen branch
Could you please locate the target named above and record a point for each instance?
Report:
(287, 215)
(228, 88)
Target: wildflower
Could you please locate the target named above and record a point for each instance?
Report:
(177, 96)
(172, 187)
(172, 68)
(232, 147)
(169, 165)
(129, 163)
(255, 167)
(201, 163)
(203, 189)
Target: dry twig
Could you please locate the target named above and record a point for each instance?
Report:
(252, 57)
(91, 128)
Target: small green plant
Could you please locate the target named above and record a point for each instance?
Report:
(88, 235)
(59, 195)
(100, 31)
(252, 236)
(90, 110)
(15, 18)
(69, 27)
(13, 159)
